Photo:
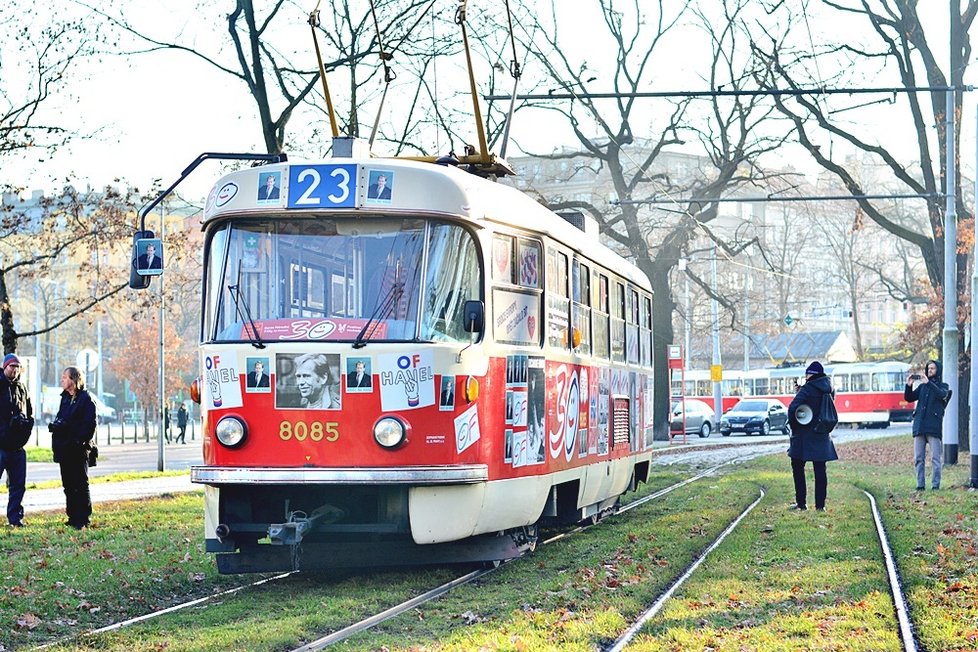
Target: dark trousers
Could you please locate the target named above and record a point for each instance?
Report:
(78, 500)
(14, 463)
(801, 490)
(182, 434)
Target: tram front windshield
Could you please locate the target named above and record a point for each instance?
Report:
(362, 280)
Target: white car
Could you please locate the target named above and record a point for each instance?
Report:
(51, 401)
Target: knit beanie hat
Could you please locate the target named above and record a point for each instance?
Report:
(10, 358)
(815, 368)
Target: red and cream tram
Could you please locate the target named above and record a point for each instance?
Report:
(867, 393)
(406, 362)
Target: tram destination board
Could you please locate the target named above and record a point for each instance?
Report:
(322, 186)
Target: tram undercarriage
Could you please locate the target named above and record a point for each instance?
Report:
(280, 528)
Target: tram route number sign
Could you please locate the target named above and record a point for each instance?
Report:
(322, 186)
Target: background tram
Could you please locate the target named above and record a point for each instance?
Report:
(867, 393)
(403, 370)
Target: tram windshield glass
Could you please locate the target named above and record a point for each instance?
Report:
(340, 280)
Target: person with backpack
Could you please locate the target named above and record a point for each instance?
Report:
(810, 436)
(932, 396)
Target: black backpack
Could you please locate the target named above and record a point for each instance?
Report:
(827, 418)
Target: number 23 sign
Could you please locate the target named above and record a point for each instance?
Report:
(322, 186)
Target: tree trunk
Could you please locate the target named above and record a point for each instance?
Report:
(662, 336)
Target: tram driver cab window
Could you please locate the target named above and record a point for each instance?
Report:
(452, 277)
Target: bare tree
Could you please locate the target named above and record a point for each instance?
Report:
(66, 239)
(272, 54)
(35, 60)
(892, 44)
(829, 128)
(725, 127)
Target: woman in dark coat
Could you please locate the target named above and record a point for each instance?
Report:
(932, 396)
(806, 444)
(71, 438)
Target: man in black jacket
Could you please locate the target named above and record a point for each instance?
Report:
(14, 400)
(808, 445)
(932, 396)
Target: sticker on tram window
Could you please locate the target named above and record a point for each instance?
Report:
(322, 186)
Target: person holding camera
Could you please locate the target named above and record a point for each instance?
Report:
(932, 396)
(71, 440)
(16, 423)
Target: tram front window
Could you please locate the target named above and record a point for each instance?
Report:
(340, 280)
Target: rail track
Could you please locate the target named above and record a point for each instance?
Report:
(907, 637)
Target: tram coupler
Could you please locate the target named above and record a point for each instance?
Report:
(293, 530)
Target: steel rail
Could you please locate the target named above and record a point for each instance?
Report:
(907, 637)
(657, 605)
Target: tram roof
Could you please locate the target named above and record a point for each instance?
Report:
(416, 188)
(867, 367)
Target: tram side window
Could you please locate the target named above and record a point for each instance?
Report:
(502, 258)
(760, 387)
(860, 382)
(840, 383)
(581, 290)
(618, 323)
(888, 381)
(452, 279)
(558, 302)
(645, 330)
(529, 263)
(599, 314)
(631, 327)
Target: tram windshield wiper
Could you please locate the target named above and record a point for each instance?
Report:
(383, 309)
(241, 303)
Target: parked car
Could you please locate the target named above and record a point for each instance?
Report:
(51, 401)
(699, 418)
(755, 415)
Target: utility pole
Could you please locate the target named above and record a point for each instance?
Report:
(973, 421)
(161, 440)
(717, 362)
(950, 291)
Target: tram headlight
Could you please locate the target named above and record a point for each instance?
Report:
(390, 432)
(231, 431)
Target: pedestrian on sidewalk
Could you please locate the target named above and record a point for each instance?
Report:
(932, 396)
(182, 423)
(807, 445)
(166, 422)
(71, 439)
(16, 424)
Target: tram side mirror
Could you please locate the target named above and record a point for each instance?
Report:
(475, 316)
(138, 281)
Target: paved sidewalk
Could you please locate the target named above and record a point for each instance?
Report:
(42, 500)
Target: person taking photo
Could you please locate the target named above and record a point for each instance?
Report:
(932, 396)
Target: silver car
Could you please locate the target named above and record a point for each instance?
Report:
(699, 418)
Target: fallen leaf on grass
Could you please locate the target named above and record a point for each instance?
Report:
(470, 618)
(28, 621)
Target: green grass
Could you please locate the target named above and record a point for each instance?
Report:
(781, 580)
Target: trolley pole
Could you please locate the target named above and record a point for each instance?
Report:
(950, 290)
